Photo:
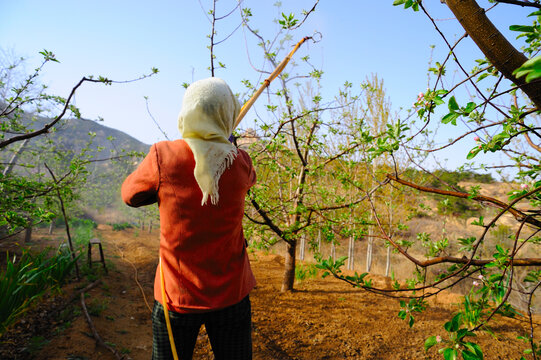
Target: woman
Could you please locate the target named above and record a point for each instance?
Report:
(200, 184)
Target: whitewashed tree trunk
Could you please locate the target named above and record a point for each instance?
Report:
(351, 245)
(351, 253)
(369, 250)
(303, 245)
(388, 264)
(51, 227)
(319, 241)
(333, 251)
(369, 245)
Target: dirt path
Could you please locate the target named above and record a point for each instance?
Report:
(324, 319)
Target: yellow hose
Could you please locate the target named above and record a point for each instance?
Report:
(166, 312)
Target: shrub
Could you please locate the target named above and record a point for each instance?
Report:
(122, 226)
(303, 272)
(27, 279)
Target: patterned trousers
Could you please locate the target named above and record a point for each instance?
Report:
(229, 331)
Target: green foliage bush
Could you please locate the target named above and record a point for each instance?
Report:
(78, 222)
(121, 226)
(75, 221)
(454, 177)
(306, 271)
(27, 278)
(82, 231)
(449, 180)
(458, 206)
(463, 208)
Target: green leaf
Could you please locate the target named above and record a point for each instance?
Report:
(340, 261)
(450, 354)
(398, 2)
(531, 68)
(468, 355)
(522, 28)
(533, 276)
(454, 324)
(473, 152)
(482, 76)
(534, 74)
(475, 350)
(431, 341)
(438, 100)
(469, 108)
(453, 105)
(495, 277)
(462, 332)
(450, 118)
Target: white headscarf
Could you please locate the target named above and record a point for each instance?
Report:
(208, 114)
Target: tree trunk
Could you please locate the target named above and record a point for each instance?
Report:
(388, 263)
(289, 268)
(369, 251)
(51, 227)
(28, 232)
(319, 241)
(303, 246)
(351, 253)
(333, 251)
(391, 211)
(66, 223)
(494, 45)
(369, 255)
(150, 227)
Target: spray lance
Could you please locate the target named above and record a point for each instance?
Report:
(239, 118)
(268, 80)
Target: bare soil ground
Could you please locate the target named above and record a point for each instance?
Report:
(322, 319)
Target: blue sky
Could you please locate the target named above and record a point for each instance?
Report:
(124, 39)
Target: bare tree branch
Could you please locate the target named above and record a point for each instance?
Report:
(153, 119)
(48, 126)
(521, 3)
(306, 14)
(98, 338)
(268, 220)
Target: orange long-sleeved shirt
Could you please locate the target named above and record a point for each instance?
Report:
(204, 259)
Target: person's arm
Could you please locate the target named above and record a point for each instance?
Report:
(141, 187)
(252, 178)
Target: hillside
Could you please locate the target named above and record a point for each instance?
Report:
(72, 134)
(67, 138)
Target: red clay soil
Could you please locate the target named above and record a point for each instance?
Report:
(322, 319)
